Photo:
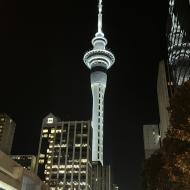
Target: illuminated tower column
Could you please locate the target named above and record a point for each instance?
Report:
(98, 60)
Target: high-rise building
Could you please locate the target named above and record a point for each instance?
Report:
(154, 134)
(101, 177)
(26, 161)
(115, 187)
(98, 60)
(65, 153)
(151, 139)
(163, 86)
(179, 41)
(176, 69)
(7, 129)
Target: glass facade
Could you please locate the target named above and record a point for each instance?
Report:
(65, 154)
(179, 41)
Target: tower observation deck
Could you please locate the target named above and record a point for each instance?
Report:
(98, 60)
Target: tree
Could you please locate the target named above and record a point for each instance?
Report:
(170, 166)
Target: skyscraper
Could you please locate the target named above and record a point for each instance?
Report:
(151, 139)
(179, 41)
(163, 99)
(154, 134)
(101, 177)
(7, 129)
(177, 67)
(65, 153)
(98, 60)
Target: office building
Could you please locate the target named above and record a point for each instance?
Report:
(7, 129)
(101, 177)
(26, 161)
(176, 69)
(151, 133)
(115, 187)
(163, 90)
(179, 41)
(151, 139)
(14, 177)
(65, 153)
(98, 60)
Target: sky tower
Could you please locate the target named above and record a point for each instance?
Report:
(98, 60)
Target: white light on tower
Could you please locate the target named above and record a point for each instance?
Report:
(98, 60)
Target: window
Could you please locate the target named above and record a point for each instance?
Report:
(50, 120)
(45, 130)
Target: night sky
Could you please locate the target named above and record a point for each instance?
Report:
(42, 46)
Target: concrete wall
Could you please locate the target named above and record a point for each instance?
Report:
(14, 177)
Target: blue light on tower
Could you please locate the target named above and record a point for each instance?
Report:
(98, 60)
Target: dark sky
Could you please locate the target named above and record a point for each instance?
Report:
(42, 46)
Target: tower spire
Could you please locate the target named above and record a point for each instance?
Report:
(100, 17)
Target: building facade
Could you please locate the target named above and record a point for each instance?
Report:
(151, 139)
(14, 177)
(98, 60)
(101, 177)
(7, 129)
(64, 157)
(163, 90)
(26, 161)
(115, 187)
(179, 41)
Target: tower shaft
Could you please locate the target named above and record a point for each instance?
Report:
(98, 86)
(98, 60)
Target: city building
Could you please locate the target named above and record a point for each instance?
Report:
(151, 139)
(98, 60)
(115, 187)
(64, 156)
(101, 177)
(176, 69)
(14, 177)
(152, 132)
(163, 90)
(26, 161)
(7, 129)
(179, 41)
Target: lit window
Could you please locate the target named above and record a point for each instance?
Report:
(83, 160)
(50, 120)
(45, 130)
(58, 131)
(42, 155)
(53, 131)
(45, 135)
(41, 161)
